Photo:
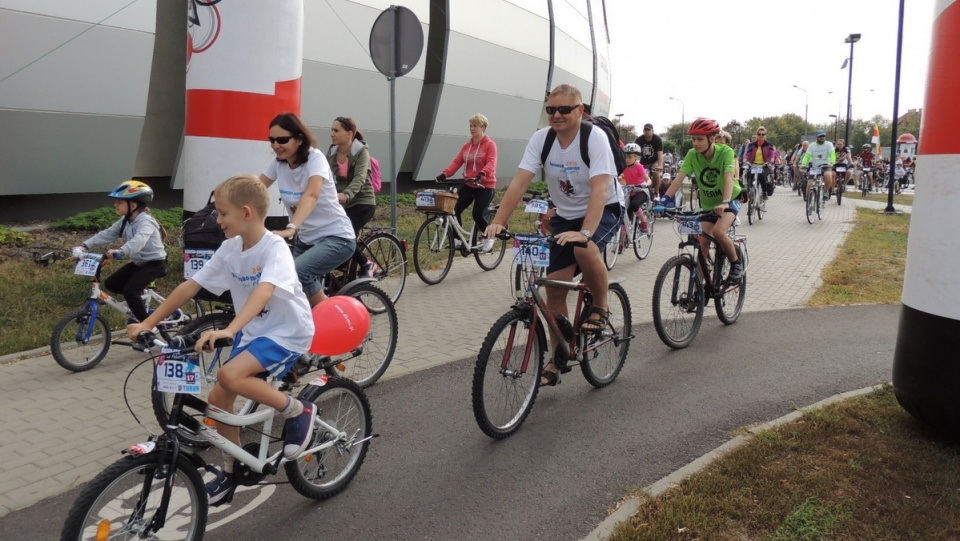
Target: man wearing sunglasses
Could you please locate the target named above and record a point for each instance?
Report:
(821, 154)
(760, 153)
(589, 206)
(651, 154)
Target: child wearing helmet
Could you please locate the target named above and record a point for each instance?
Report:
(714, 164)
(143, 245)
(636, 175)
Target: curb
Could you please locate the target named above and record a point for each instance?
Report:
(628, 507)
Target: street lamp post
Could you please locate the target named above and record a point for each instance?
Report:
(619, 125)
(851, 39)
(836, 121)
(683, 120)
(806, 109)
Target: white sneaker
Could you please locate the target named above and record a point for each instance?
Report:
(487, 246)
(456, 244)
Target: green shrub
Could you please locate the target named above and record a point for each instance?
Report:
(100, 219)
(12, 237)
(403, 200)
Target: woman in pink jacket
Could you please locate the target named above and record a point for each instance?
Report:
(479, 156)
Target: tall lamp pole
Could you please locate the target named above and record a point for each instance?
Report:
(851, 39)
(836, 121)
(683, 120)
(806, 109)
(619, 125)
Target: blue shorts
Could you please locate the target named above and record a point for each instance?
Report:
(562, 257)
(734, 207)
(275, 359)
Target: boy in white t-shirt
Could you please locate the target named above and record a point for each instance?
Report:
(273, 325)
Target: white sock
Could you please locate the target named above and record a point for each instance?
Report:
(292, 409)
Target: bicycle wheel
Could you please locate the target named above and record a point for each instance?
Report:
(433, 250)
(819, 203)
(172, 324)
(761, 206)
(751, 204)
(488, 260)
(730, 303)
(841, 187)
(810, 206)
(70, 346)
(612, 249)
(121, 501)
(604, 363)
(211, 362)
(520, 278)
(391, 257)
(378, 347)
(503, 394)
(642, 242)
(678, 302)
(341, 404)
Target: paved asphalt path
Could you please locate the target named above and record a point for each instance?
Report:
(433, 475)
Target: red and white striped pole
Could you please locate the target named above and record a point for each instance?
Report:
(926, 365)
(244, 66)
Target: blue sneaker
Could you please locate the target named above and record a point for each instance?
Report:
(221, 489)
(298, 431)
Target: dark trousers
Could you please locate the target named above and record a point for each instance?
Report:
(359, 216)
(481, 199)
(131, 279)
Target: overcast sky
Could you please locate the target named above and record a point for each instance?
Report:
(738, 59)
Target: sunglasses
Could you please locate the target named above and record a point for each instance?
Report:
(280, 140)
(761, 135)
(562, 109)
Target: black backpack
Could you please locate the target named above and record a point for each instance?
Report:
(201, 231)
(605, 125)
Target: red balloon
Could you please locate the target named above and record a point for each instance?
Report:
(342, 324)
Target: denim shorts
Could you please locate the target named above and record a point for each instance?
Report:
(315, 261)
(276, 359)
(562, 257)
(734, 207)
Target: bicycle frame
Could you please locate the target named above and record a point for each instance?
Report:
(706, 268)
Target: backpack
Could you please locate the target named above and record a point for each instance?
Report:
(202, 230)
(376, 179)
(606, 126)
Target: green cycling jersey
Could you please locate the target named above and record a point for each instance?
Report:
(710, 174)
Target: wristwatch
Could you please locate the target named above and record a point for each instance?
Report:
(725, 202)
(293, 226)
(585, 233)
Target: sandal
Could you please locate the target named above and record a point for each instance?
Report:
(596, 324)
(560, 362)
(549, 378)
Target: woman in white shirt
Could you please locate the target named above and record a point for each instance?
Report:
(324, 236)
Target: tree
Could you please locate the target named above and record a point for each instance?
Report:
(669, 146)
(628, 133)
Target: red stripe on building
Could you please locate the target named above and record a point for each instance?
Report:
(229, 114)
(941, 113)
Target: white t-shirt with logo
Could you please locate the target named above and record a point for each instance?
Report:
(568, 178)
(328, 218)
(286, 319)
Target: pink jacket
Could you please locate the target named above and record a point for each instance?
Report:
(478, 158)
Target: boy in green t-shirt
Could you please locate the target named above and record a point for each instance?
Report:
(714, 166)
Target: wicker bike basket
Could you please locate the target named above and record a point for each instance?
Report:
(436, 201)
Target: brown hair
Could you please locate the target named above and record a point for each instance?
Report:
(350, 124)
(292, 123)
(245, 190)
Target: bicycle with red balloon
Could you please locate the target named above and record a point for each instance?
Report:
(157, 490)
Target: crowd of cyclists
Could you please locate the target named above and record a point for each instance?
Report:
(329, 197)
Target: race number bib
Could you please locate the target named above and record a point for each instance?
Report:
(538, 206)
(531, 250)
(815, 171)
(194, 260)
(756, 169)
(426, 199)
(87, 265)
(177, 373)
(689, 226)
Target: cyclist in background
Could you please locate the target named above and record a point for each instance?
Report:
(762, 153)
(349, 159)
(636, 175)
(866, 161)
(714, 165)
(143, 244)
(651, 154)
(821, 154)
(478, 157)
(844, 164)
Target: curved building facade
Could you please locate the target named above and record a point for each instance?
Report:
(93, 92)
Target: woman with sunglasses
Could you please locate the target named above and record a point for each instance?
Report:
(322, 233)
(349, 159)
(479, 159)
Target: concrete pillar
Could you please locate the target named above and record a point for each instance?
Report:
(244, 66)
(926, 366)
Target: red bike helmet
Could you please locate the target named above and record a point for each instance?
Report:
(704, 126)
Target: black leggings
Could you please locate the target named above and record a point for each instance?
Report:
(359, 216)
(483, 198)
(131, 279)
(636, 201)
